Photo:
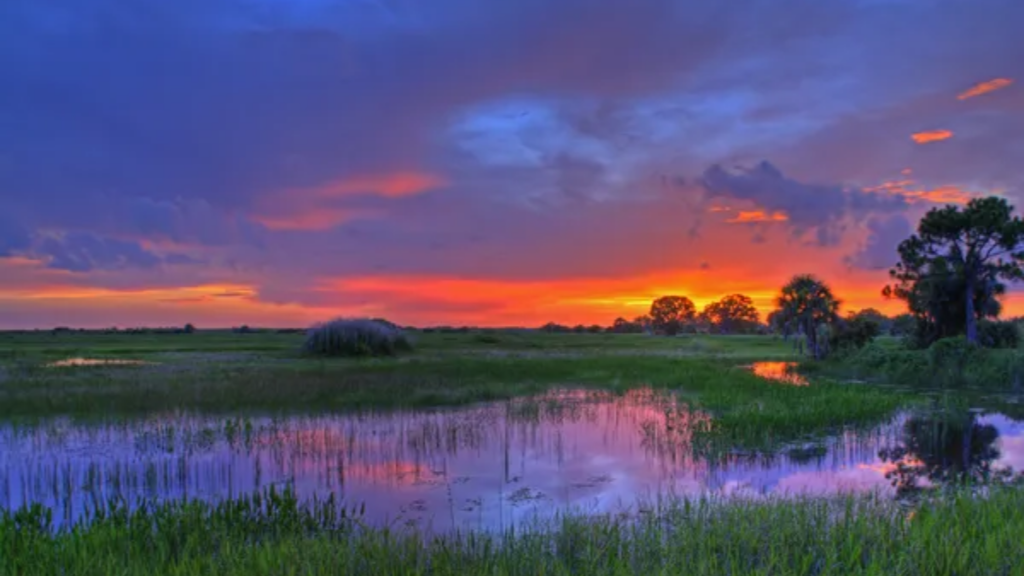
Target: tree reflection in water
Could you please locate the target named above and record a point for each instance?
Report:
(942, 448)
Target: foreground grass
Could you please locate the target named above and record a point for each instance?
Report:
(274, 534)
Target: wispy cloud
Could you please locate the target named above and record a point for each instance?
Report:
(316, 208)
(929, 136)
(985, 88)
(912, 192)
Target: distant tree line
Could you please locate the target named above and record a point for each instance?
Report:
(951, 274)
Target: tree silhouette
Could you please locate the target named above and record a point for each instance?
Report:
(733, 313)
(670, 313)
(951, 272)
(944, 447)
(807, 303)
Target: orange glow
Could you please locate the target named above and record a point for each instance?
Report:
(947, 194)
(164, 294)
(748, 216)
(779, 372)
(890, 467)
(942, 195)
(307, 208)
(931, 136)
(985, 88)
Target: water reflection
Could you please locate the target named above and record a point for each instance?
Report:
(67, 362)
(944, 447)
(784, 372)
(478, 467)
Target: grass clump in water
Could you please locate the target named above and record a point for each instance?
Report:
(355, 337)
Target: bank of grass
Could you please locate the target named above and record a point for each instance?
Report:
(957, 535)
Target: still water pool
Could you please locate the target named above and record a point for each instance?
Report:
(483, 466)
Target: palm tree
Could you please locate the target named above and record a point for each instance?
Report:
(808, 303)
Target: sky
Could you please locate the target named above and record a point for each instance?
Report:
(483, 162)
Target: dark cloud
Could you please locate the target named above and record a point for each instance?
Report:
(83, 252)
(821, 208)
(884, 235)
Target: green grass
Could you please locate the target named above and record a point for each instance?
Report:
(887, 360)
(274, 534)
(40, 346)
(447, 369)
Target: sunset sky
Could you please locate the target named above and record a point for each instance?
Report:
(483, 162)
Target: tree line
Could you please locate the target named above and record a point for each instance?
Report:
(951, 274)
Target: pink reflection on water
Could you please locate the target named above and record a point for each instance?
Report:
(483, 466)
(67, 362)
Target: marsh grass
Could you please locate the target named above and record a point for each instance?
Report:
(748, 412)
(275, 534)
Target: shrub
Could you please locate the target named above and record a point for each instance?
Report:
(996, 334)
(853, 333)
(355, 337)
(949, 357)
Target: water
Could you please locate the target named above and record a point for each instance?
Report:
(476, 467)
(79, 362)
(784, 372)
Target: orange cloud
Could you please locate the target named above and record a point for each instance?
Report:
(746, 217)
(931, 136)
(947, 194)
(308, 208)
(311, 219)
(984, 88)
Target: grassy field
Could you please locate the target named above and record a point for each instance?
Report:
(227, 373)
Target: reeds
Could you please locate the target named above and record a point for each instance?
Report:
(275, 534)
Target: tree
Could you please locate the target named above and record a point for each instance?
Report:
(623, 326)
(807, 303)
(734, 313)
(883, 321)
(189, 328)
(959, 256)
(670, 313)
(854, 332)
(644, 322)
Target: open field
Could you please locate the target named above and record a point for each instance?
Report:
(442, 456)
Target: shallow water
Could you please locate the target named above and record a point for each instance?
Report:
(75, 362)
(476, 467)
(784, 372)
